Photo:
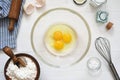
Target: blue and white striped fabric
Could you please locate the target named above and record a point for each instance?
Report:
(4, 8)
(7, 38)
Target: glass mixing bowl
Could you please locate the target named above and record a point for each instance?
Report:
(77, 23)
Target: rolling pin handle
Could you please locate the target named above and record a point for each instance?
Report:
(11, 25)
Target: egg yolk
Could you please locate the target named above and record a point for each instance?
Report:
(67, 38)
(58, 35)
(58, 45)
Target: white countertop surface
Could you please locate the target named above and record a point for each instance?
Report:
(80, 70)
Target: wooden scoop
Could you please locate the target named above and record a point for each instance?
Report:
(18, 61)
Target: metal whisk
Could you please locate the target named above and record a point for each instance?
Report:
(103, 47)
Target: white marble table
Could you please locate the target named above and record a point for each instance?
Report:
(78, 71)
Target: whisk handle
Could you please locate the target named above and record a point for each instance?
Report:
(114, 71)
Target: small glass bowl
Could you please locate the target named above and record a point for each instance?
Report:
(94, 64)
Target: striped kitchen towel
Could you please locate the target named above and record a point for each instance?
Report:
(7, 38)
(4, 8)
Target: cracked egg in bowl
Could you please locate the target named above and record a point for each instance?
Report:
(60, 39)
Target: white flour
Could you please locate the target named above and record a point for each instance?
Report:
(23, 73)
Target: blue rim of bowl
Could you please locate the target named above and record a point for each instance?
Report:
(72, 11)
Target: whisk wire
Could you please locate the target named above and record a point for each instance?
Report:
(100, 48)
(108, 47)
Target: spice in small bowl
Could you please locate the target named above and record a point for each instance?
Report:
(30, 72)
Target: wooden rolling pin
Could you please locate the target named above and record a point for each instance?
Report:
(14, 13)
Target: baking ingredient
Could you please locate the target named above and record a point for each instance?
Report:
(60, 38)
(58, 35)
(109, 25)
(58, 45)
(67, 38)
(24, 73)
(94, 64)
